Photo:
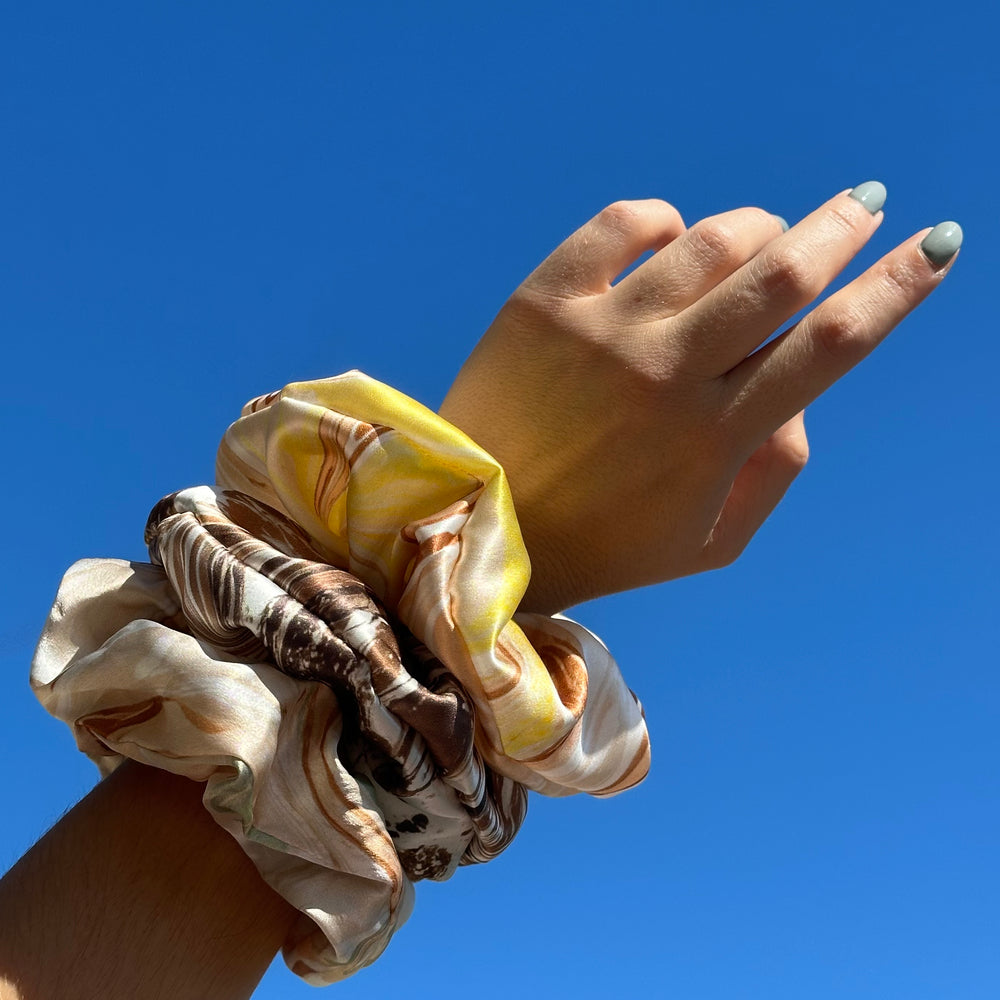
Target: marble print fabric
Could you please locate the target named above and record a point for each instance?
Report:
(411, 730)
(350, 749)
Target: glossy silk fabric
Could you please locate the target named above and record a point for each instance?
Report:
(349, 749)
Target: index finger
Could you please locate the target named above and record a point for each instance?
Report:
(771, 287)
(788, 373)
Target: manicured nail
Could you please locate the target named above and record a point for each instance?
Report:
(942, 243)
(784, 225)
(871, 194)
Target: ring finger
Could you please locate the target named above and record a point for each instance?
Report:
(694, 263)
(724, 326)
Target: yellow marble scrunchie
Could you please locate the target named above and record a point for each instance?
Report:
(185, 664)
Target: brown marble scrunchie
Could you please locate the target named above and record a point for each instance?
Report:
(409, 727)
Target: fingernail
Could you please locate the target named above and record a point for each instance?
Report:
(942, 243)
(784, 225)
(871, 194)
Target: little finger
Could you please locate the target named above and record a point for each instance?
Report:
(586, 262)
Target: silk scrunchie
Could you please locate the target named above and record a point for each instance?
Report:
(348, 749)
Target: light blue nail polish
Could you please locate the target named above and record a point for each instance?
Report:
(942, 243)
(784, 225)
(871, 194)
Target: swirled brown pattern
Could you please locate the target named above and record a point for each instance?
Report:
(412, 727)
(349, 749)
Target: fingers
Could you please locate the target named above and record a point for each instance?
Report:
(757, 490)
(786, 275)
(791, 371)
(589, 260)
(694, 263)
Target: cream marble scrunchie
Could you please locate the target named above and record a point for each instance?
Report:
(349, 749)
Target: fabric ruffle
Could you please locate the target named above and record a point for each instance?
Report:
(349, 749)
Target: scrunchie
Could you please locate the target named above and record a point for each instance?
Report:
(348, 748)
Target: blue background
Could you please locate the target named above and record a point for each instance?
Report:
(201, 202)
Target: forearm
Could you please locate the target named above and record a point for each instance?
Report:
(137, 893)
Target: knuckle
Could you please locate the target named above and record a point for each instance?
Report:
(796, 453)
(619, 216)
(900, 280)
(627, 214)
(762, 217)
(790, 273)
(534, 305)
(840, 334)
(717, 243)
(666, 214)
(847, 220)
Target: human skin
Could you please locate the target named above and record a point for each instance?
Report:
(645, 435)
(645, 432)
(136, 894)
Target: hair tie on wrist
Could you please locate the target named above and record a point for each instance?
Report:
(328, 640)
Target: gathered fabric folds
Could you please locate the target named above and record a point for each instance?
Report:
(328, 639)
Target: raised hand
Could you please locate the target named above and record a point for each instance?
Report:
(645, 431)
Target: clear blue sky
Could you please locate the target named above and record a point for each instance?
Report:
(201, 202)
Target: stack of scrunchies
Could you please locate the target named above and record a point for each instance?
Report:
(328, 639)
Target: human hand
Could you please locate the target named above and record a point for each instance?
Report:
(645, 432)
